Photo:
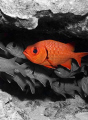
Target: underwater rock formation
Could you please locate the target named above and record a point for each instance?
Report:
(60, 16)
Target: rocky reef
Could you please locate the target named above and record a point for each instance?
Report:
(23, 23)
(64, 21)
(68, 17)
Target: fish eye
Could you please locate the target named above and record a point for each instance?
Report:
(35, 50)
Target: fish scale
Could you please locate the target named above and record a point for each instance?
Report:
(53, 53)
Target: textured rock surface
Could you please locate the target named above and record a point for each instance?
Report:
(27, 14)
(13, 108)
(8, 111)
(23, 9)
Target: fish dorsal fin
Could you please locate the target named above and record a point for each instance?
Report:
(67, 64)
(71, 46)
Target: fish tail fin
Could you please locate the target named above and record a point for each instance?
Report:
(79, 56)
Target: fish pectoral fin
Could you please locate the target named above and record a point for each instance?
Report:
(51, 64)
(67, 64)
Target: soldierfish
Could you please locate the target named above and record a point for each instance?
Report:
(51, 53)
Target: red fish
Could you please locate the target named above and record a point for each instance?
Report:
(51, 53)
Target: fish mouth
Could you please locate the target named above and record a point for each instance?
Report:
(25, 53)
